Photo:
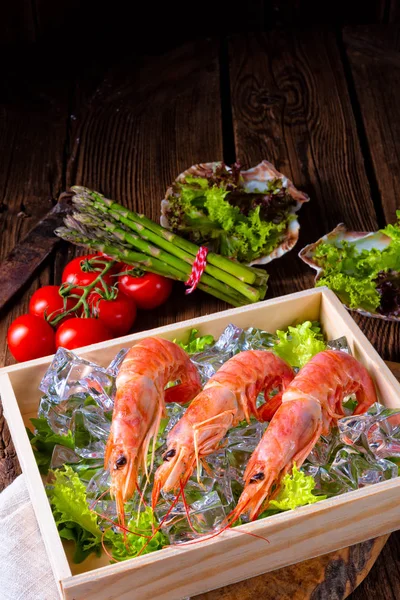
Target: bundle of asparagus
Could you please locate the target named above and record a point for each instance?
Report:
(103, 225)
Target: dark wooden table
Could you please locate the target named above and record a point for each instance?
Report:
(322, 105)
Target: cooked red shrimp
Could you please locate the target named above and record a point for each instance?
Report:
(139, 406)
(228, 398)
(311, 404)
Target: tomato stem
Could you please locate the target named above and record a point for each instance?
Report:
(65, 290)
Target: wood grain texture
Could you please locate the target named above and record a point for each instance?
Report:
(291, 105)
(306, 12)
(9, 464)
(136, 127)
(374, 56)
(331, 576)
(393, 11)
(28, 255)
(33, 113)
(17, 23)
(373, 53)
(384, 579)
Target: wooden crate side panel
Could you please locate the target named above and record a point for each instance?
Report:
(180, 567)
(307, 533)
(41, 506)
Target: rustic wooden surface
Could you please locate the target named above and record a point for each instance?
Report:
(321, 104)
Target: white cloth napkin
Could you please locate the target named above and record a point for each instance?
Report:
(25, 572)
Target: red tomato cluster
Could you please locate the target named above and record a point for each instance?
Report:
(98, 309)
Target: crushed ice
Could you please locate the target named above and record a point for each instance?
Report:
(78, 395)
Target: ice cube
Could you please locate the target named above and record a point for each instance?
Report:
(174, 412)
(257, 339)
(340, 343)
(62, 456)
(99, 483)
(59, 413)
(322, 451)
(327, 483)
(360, 470)
(69, 375)
(206, 515)
(115, 364)
(91, 429)
(229, 339)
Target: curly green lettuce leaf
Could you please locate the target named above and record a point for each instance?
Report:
(216, 210)
(74, 519)
(87, 468)
(258, 236)
(355, 293)
(219, 209)
(366, 279)
(43, 441)
(299, 344)
(296, 490)
(146, 542)
(393, 230)
(78, 523)
(195, 342)
(347, 259)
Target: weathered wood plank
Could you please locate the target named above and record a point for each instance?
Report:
(384, 579)
(332, 575)
(9, 464)
(374, 56)
(291, 106)
(33, 114)
(17, 23)
(137, 127)
(312, 12)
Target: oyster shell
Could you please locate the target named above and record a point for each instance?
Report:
(363, 240)
(254, 180)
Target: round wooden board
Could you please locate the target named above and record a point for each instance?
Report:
(332, 576)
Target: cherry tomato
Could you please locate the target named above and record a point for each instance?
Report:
(73, 273)
(117, 315)
(47, 302)
(30, 337)
(77, 332)
(148, 291)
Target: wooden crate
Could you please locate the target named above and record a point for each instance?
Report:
(178, 572)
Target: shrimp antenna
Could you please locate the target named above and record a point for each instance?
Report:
(99, 498)
(142, 499)
(124, 529)
(229, 520)
(141, 494)
(186, 506)
(110, 556)
(174, 503)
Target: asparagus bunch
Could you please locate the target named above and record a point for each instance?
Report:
(103, 225)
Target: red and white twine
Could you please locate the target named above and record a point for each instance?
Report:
(200, 263)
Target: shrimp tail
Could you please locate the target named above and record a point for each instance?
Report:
(267, 410)
(181, 393)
